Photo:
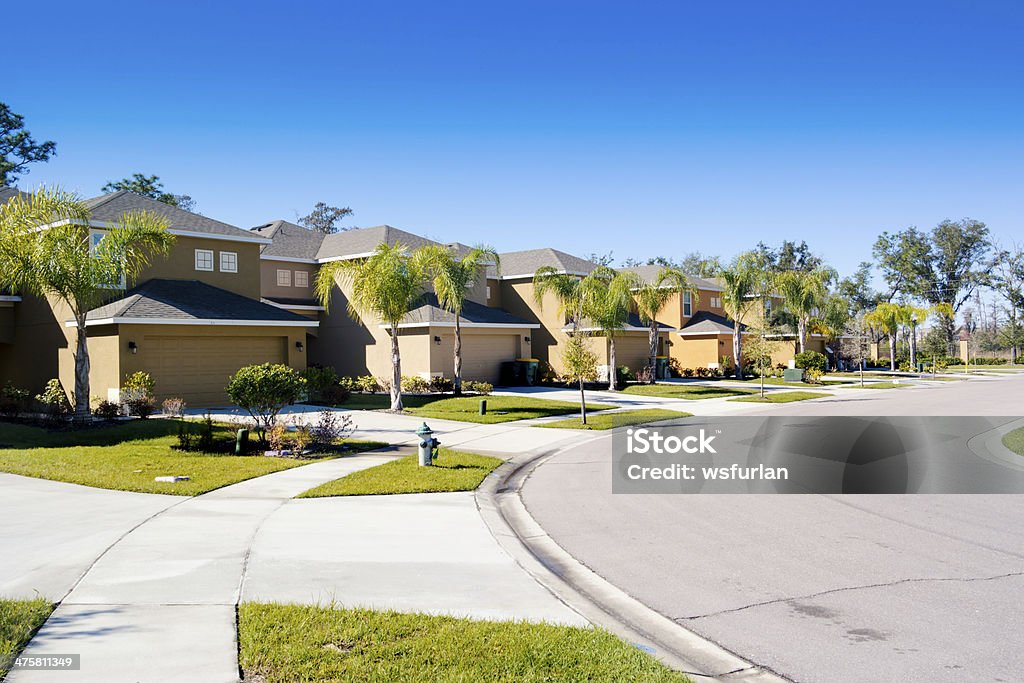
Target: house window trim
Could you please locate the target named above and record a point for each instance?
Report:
(288, 277)
(220, 261)
(295, 279)
(196, 260)
(122, 284)
(687, 305)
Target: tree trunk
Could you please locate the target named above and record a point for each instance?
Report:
(737, 350)
(583, 403)
(913, 346)
(81, 371)
(396, 371)
(801, 330)
(892, 351)
(654, 350)
(458, 357)
(613, 375)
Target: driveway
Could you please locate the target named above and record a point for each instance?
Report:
(816, 588)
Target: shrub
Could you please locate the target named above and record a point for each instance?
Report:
(319, 381)
(415, 385)
(330, 427)
(989, 361)
(645, 375)
(906, 367)
(141, 382)
(482, 388)
(687, 372)
(13, 400)
(141, 406)
(811, 359)
(174, 407)
(367, 384)
(54, 400)
(812, 376)
(185, 440)
(263, 391)
(441, 385)
(137, 394)
(107, 410)
(384, 384)
(276, 436)
(674, 368)
(335, 394)
(206, 434)
(302, 437)
(348, 383)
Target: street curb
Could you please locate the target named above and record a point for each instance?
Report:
(502, 509)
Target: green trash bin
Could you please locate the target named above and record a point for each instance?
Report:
(529, 366)
(661, 367)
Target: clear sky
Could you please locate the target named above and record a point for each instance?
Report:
(641, 128)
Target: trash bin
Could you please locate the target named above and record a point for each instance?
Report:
(511, 374)
(661, 367)
(920, 367)
(529, 368)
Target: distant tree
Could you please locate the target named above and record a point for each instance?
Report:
(803, 293)
(832, 321)
(857, 290)
(608, 300)
(602, 259)
(579, 364)
(17, 147)
(150, 186)
(651, 297)
(324, 218)
(789, 256)
(1008, 282)
(887, 317)
(694, 264)
(741, 281)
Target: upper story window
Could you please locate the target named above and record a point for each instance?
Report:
(95, 237)
(488, 291)
(204, 259)
(301, 278)
(687, 304)
(716, 302)
(228, 262)
(284, 278)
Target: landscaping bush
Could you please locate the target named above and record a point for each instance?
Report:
(687, 372)
(107, 410)
(329, 427)
(319, 380)
(811, 359)
(13, 400)
(441, 385)
(335, 394)
(367, 384)
(263, 391)
(350, 384)
(644, 375)
(174, 407)
(988, 361)
(137, 394)
(812, 376)
(54, 400)
(675, 369)
(482, 388)
(415, 385)
(624, 375)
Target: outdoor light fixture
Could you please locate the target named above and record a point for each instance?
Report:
(133, 347)
(437, 340)
(299, 346)
(526, 339)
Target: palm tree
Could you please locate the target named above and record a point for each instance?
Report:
(911, 316)
(887, 317)
(452, 278)
(803, 293)
(385, 285)
(48, 249)
(832, 321)
(652, 297)
(740, 288)
(607, 302)
(566, 290)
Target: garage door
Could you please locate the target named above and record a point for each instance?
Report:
(482, 355)
(197, 368)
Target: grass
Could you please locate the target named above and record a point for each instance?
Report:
(453, 471)
(127, 456)
(467, 408)
(782, 397)
(1015, 441)
(279, 643)
(778, 381)
(19, 620)
(611, 420)
(688, 392)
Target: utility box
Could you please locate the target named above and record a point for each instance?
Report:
(793, 375)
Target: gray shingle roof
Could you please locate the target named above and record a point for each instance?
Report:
(650, 274)
(429, 311)
(364, 240)
(190, 300)
(110, 207)
(633, 321)
(9, 193)
(522, 263)
(705, 322)
(290, 240)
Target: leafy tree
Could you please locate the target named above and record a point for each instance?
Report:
(651, 298)
(263, 391)
(324, 218)
(602, 259)
(832, 321)
(385, 286)
(1008, 282)
(579, 364)
(694, 264)
(17, 147)
(452, 279)
(803, 293)
(64, 262)
(758, 353)
(789, 256)
(607, 302)
(857, 290)
(888, 317)
(150, 186)
(740, 284)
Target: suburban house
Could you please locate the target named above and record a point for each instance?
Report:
(190, 319)
(490, 335)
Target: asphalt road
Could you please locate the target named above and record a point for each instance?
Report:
(816, 588)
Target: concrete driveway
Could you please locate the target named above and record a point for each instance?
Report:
(816, 588)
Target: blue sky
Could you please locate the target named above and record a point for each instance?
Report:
(641, 128)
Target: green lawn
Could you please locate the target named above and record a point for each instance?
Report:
(611, 420)
(19, 620)
(452, 471)
(127, 456)
(1015, 441)
(689, 392)
(467, 408)
(782, 397)
(284, 643)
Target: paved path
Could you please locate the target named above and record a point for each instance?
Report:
(159, 605)
(817, 588)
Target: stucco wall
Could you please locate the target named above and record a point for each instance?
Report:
(268, 278)
(180, 265)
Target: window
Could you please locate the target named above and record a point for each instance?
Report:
(716, 302)
(687, 304)
(95, 237)
(204, 259)
(488, 292)
(301, 278)
(228, 262)
(284, 278)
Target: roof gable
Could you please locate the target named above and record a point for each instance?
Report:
(110, 208)
(517, 264)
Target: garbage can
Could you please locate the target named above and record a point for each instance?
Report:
(510, 374)
(920, 367)
(661, 367)
(529, 370)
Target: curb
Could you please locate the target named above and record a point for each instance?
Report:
(594, 598)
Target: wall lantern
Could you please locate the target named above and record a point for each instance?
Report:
(133, 347)
(437, 340)
(526, 339)
(299, 345)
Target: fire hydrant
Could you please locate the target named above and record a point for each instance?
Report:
(428, 445)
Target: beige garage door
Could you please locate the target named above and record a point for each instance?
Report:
(197, 368)
(482, 355)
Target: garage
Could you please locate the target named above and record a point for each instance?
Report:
(197, 368)
(482, 355)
